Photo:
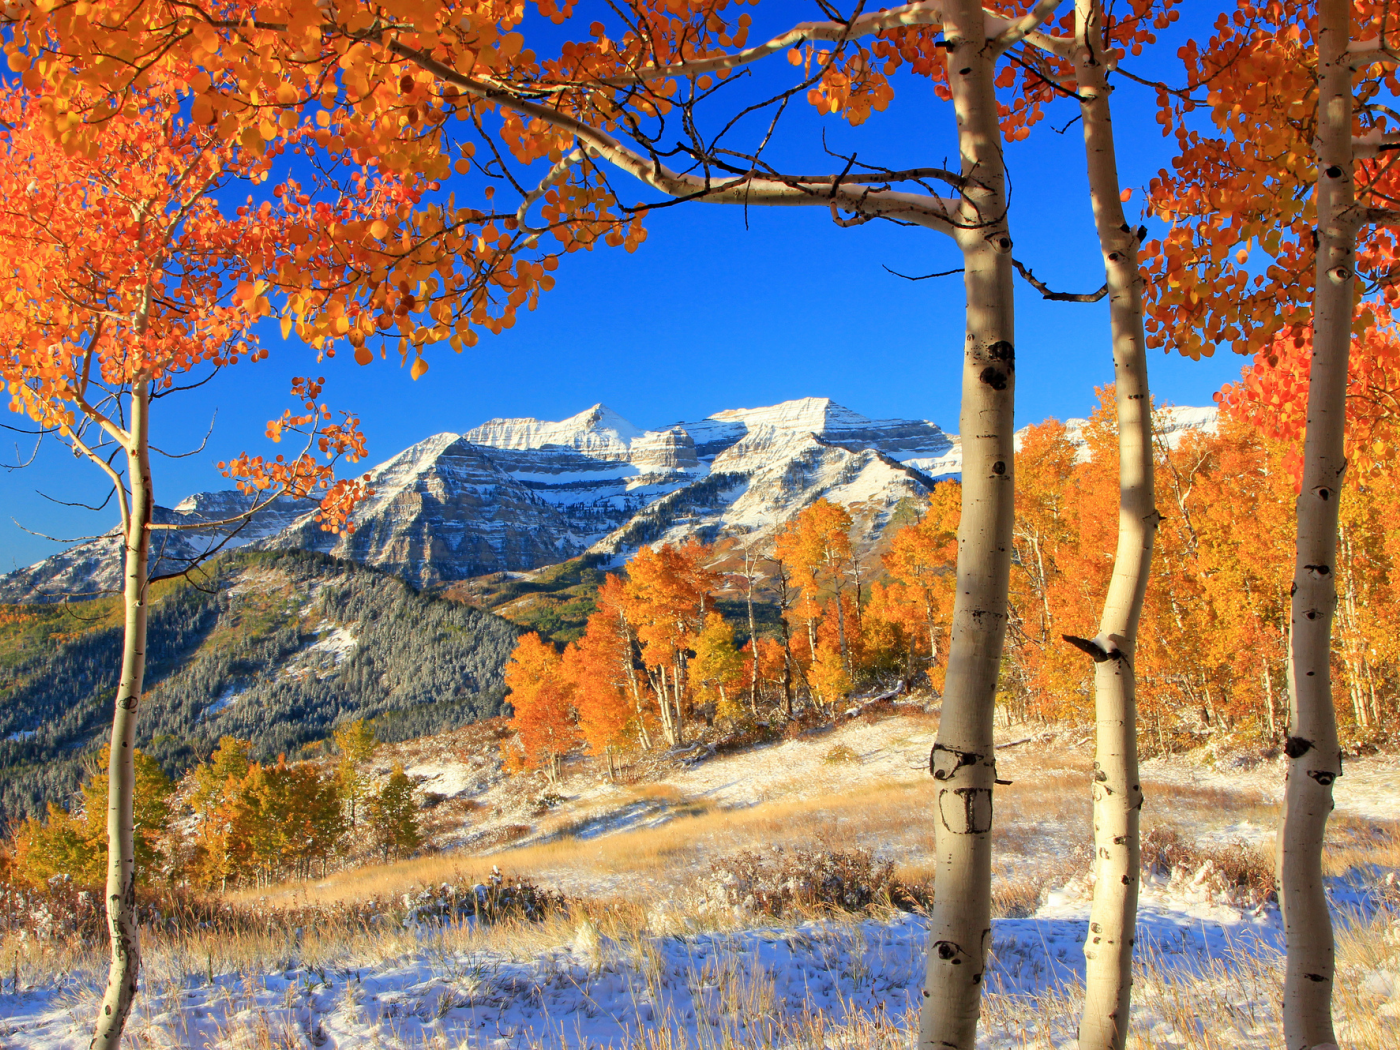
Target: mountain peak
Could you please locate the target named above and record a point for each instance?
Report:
(595, 429)
(813, 414)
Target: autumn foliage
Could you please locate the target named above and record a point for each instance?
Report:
(233, 820)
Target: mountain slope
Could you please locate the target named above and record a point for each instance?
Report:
(281, 648)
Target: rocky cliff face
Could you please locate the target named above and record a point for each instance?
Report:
(443, 510)
(516, 494)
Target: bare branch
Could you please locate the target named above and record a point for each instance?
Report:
(927, 13)
(82, 506)
(59, 539)
(928, 211)
(922, 277)
(1059, 297)
(193, 452)
(1368, 52)
(1374, 144)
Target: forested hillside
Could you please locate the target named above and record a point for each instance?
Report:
(275, 648)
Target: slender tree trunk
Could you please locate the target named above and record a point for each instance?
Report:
(1314, 756)
(678, 685)
(963, 761)
(630, 671)
(1269, 701)
(753, 638)
(1108, 948)
(841, 633)
(121, 771)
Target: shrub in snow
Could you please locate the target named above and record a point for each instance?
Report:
(781, 881)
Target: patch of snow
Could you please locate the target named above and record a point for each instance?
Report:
(23, 734)
(229, 697)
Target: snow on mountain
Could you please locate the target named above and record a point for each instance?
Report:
(95, 566)
(443, 510)
(597, 430)
(1169, 424)
(512, 495)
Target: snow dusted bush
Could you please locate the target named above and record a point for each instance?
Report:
(1240, 873)
(499, 898)
(782, 881)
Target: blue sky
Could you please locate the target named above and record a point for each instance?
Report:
(718, 309)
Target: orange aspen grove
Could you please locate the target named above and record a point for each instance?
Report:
(125, 283)
(1297, 170)
(817, 544)
(923, 557)
(1080, 64)
(542, 695)
(600, 667)
(892, 623)
(718, 668)
(667, 593)
(612, 614)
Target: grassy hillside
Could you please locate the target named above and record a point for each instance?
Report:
(275, 647)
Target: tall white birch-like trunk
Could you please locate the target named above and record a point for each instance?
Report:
(963, 762)
(121, 854)
(1108, 948)
(1314, 756)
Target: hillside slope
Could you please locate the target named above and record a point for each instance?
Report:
(279, 649)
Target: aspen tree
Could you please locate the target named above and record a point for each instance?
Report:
(1117, 793)
(1314, 754)
(1292, 186)
(476, 63)
(123, 277)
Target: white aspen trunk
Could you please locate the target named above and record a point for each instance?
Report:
(121, 771)
(1108, 948)
(1269, 701)
(678, 685)
(1314, 757)
(963, 761)
(841, 633)
(663, 697)
(932, 636)
(753, 637)
(643, 737)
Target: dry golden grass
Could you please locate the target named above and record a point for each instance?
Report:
(889, 817)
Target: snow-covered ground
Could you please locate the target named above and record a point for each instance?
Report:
(754, 987)
(685, 976)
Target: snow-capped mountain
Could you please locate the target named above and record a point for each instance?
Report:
(95, 567)
(518, 494)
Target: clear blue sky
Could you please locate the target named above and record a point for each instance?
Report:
(716, 310)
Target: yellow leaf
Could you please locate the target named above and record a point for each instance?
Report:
(286, 325)
(378, 229)
(419, 367)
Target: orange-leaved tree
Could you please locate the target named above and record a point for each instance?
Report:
(608, 692)
(1276, 206)
(667, 595)
(817, 545)
(127, 281)
(718, 668)
(923, 556)
(542, 695)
